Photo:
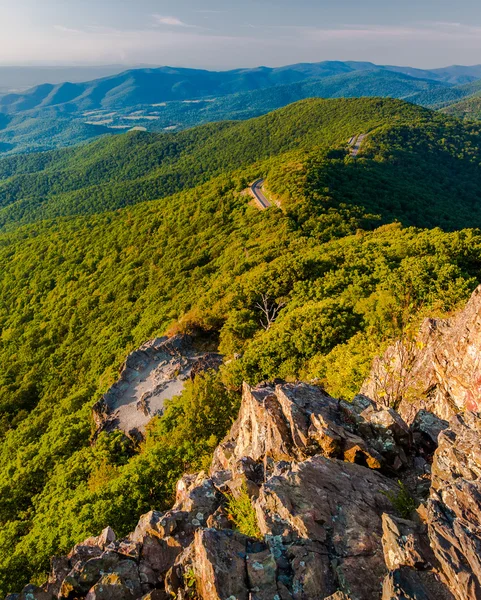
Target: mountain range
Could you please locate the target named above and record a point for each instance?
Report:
(166, 99)
(146, 295)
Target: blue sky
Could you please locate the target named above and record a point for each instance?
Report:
(242, 33)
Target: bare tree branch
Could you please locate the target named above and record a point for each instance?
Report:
(270, 310)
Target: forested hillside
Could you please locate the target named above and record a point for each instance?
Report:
(153, 85)
(80, 291)
(469, 109)
(400, 175)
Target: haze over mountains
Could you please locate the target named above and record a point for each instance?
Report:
(19, 78)
(167, 99)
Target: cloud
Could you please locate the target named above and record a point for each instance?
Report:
(433, 31)
(170, 21)
(172, 42)
(64, 29)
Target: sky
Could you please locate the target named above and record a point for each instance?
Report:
(223, 34)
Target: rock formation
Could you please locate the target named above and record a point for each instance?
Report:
(154, 373)
(319, 479)
(439, 371)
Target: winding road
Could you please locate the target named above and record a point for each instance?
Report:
(355, 143)
(256, 191)
(256, 188)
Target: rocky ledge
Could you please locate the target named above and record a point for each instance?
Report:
(319, 480)
(151, 375)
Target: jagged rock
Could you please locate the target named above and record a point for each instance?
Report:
(219, 520)
(426, 428)
(291, 422)
(262, 575)
(32, 592)
(196, 494)
(402, 545)
(92, 547)
(59, 569)
(454, 507)
(148, 577)
(220, 565)
(181, 577)
(387, 420)
(158, 548)
(407, 584)
(103, 540)
(162, 537)
(85, 574)
(128, 571)
(430, 425)
(159, 554)
(152, 374)
(319, 500)
(311, 568)
(437, 372)
(110, 587)
(155, 524)
(319, 474)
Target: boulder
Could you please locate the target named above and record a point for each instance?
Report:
(335, 508)
(402, 543)
(426, 428)
(33, 592)
(103, 540)
(262, 575)
(220, 565)
(110, 587)
(408, 584)
(86, 574)
(59, 568)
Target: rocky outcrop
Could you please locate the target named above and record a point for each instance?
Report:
(454, 507)
(439, 371)
(154, 373)
(317, 480)
(294, 421)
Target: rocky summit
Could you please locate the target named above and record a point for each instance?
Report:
(308, 497)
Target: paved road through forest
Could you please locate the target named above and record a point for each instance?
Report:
(356, 144)
(256, 190)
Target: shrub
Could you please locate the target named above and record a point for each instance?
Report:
(242, 513)
(402, 501)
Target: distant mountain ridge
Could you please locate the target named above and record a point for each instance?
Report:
(144, 86)
(49, 116)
